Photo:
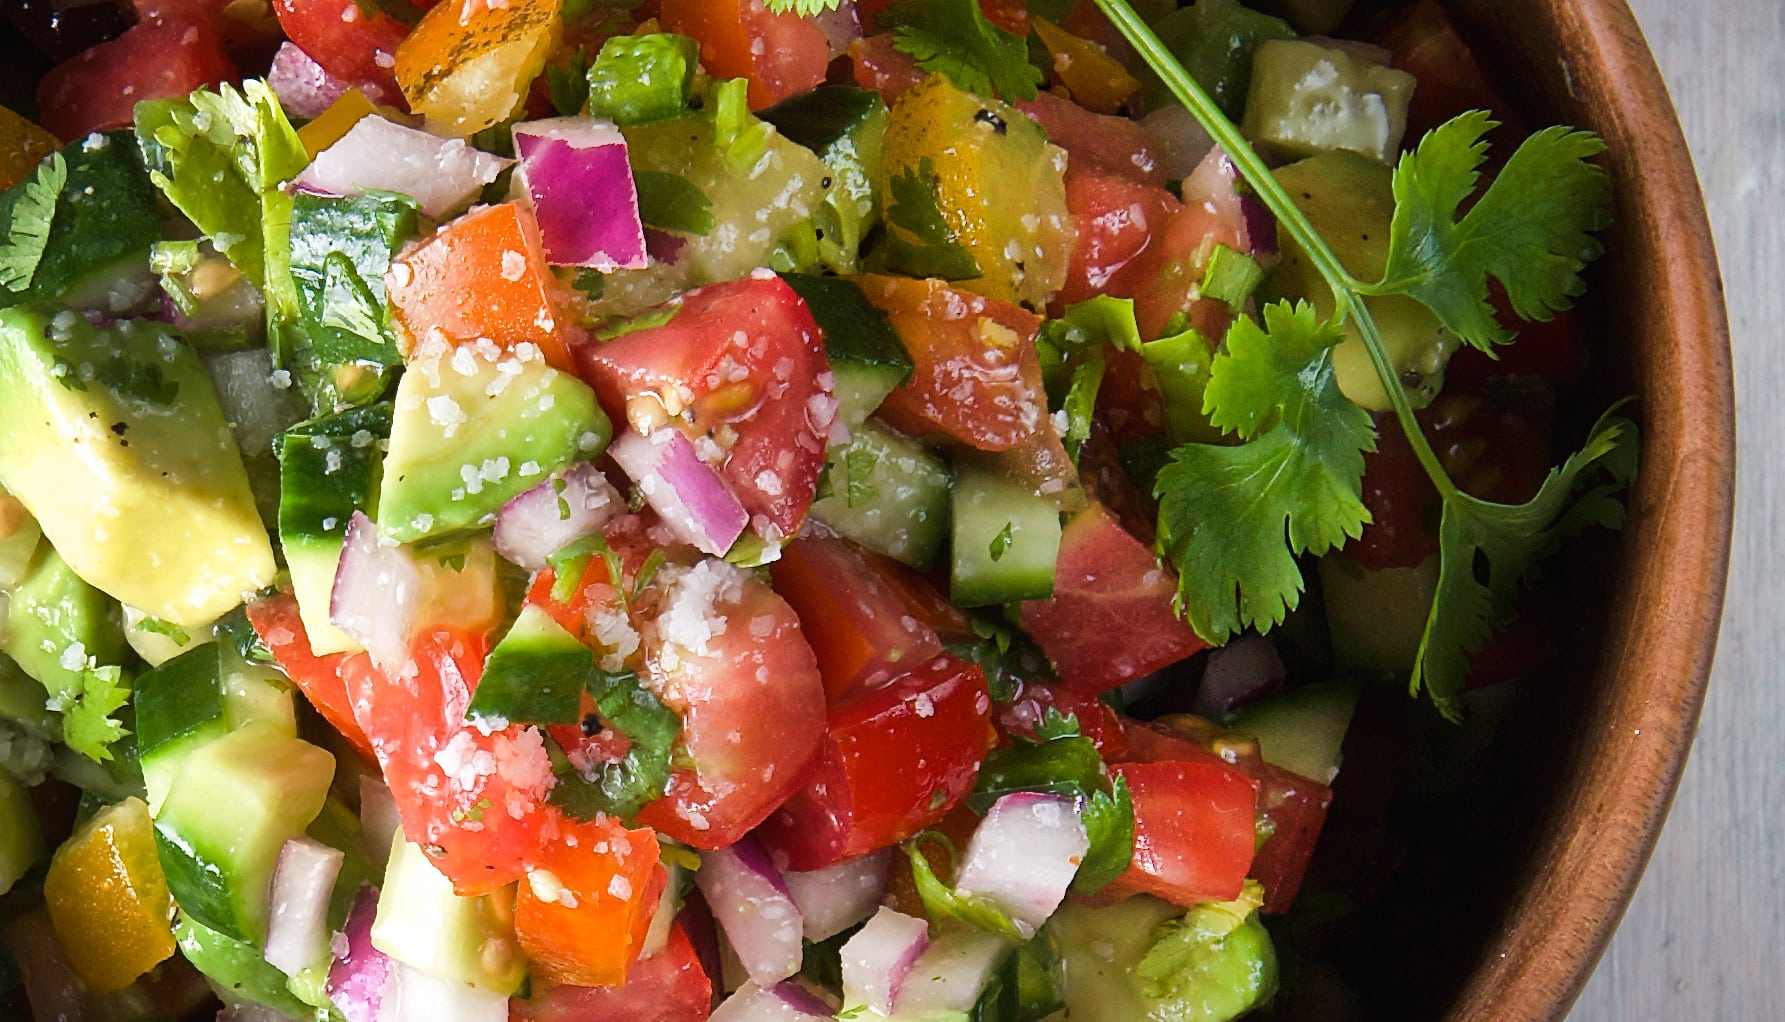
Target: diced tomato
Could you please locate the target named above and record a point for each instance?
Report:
(165, 55)
(276, 621)
(1039, 464)
(350, 43)
(1548, 349)
(590, 892)
(1096, 720)
(895, 761)
(1171, 280)
(858, 625)
(1402, 503)
(1493, 442)
(1106, 481)
(780, 54)
(471, 800)
(1194, 827)
(1129, 402)
(669, 986)
(876, 64)
(977, 378)
(1422, 41)
(1116, 217)
(1110, 619)
(727, 654)
(1102, 143)
(744, 363)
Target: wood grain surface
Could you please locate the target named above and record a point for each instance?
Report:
(1703, 938)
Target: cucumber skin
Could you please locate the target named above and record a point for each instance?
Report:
(984, 505)
(902, 507)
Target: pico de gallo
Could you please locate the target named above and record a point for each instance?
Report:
(579, 511)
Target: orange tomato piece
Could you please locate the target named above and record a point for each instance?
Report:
(1096, 80)
(23, 145)
(587, 901)
(467, 64)
(481, 276)
(108, 899)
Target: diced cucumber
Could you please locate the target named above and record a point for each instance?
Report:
(328, 468)
(844, 125)
(239, 969)
(643, 78)
(196, 698)
(866, 355)
(233, 802)
(341, 247)
(21, 838)
(1101, 947)
(1006, 540)
(1376, 618)
(536, 674)
(1302, 729)
(422, 923)
(1306, 99)
(888, 494)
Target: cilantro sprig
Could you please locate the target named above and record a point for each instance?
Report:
(1234, 522)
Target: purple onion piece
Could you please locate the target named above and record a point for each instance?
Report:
(297, 922)
(694, 501)
(1243, 671)
(356, 980)
(378, 592)
(545, 519)
(1024, 855)
(835, 898)
(877, 960)
(751, 904)
(575, 173)
(443, 175)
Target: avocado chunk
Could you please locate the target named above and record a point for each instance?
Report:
(18, 540)
(66, 635)
(162, 518)
(1350, 200)
(474, 426)
(424, 924)
(1307, 99)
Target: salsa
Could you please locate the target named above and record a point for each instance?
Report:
(556, 510)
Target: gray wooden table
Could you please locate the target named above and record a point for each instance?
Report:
(1704, 940)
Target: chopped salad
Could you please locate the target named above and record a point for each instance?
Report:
(762, 510)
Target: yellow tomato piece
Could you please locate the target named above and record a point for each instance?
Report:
(1098, 82)
(108, 898)
(331, 124)
(999, 185)
(468, 63)
(23, 146)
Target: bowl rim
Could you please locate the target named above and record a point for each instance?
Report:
(1627, 778)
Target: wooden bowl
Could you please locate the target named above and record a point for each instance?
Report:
(1507, 903)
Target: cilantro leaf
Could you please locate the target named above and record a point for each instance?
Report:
(1529, 230)
(568, 84)
(918, 242)
(670, 202)
(803, 8)
(1233, 519)
(953, 38)
(943, 902)
(28, 229)
(1509, 542)
(622, 787)
(87, 724)
(1109, 823)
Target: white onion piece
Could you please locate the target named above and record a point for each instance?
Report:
(879, 958)
(303, 87)
(378, 820)
(1240, 672)
(549, 517)
(1023, 856)
(749, 901)
(783, 1002)
(378, 592)
(951, 973)
(835, 898)
(1214, 183)
(298, 907)
(690, 496)
(1183, 137)
(443, 175)
(576, 177)
(357, 979)
(415, 996)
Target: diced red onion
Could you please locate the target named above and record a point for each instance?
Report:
(835, 898)
(378, 819)
(576, 176)
(662, 246)
(356, 980)
(880, 957)
(443, 175)
(378, 592)
(413, 994)
(1183, 137)
(1244, 670)
(556, 513)
(951, 973)
(751, 904)
(305, 89)
(840, 26)
(298, 907)
(783, 1002)
(1023, 856)
(690, 496)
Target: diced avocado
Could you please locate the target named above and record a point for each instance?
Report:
(158, 641)
(1307, 98)
(888, 494)
(1220, 968)
(163, 518)
(636, 79)
(19, 534)
(473, 427)
(422, 923)
(341, 247)
(1302, 729)
(231, 804)
(866, 356)
(1006, 540)
(239, 969)
(196, 698)
(59, 629)
(1376, 618)
(1349, 200)
(22, 701)
(844, 125)
(536, 674)
(21, 837)
(1215, 41)
(103, 212)
(328, 468)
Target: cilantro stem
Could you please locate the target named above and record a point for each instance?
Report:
(1346, 288)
